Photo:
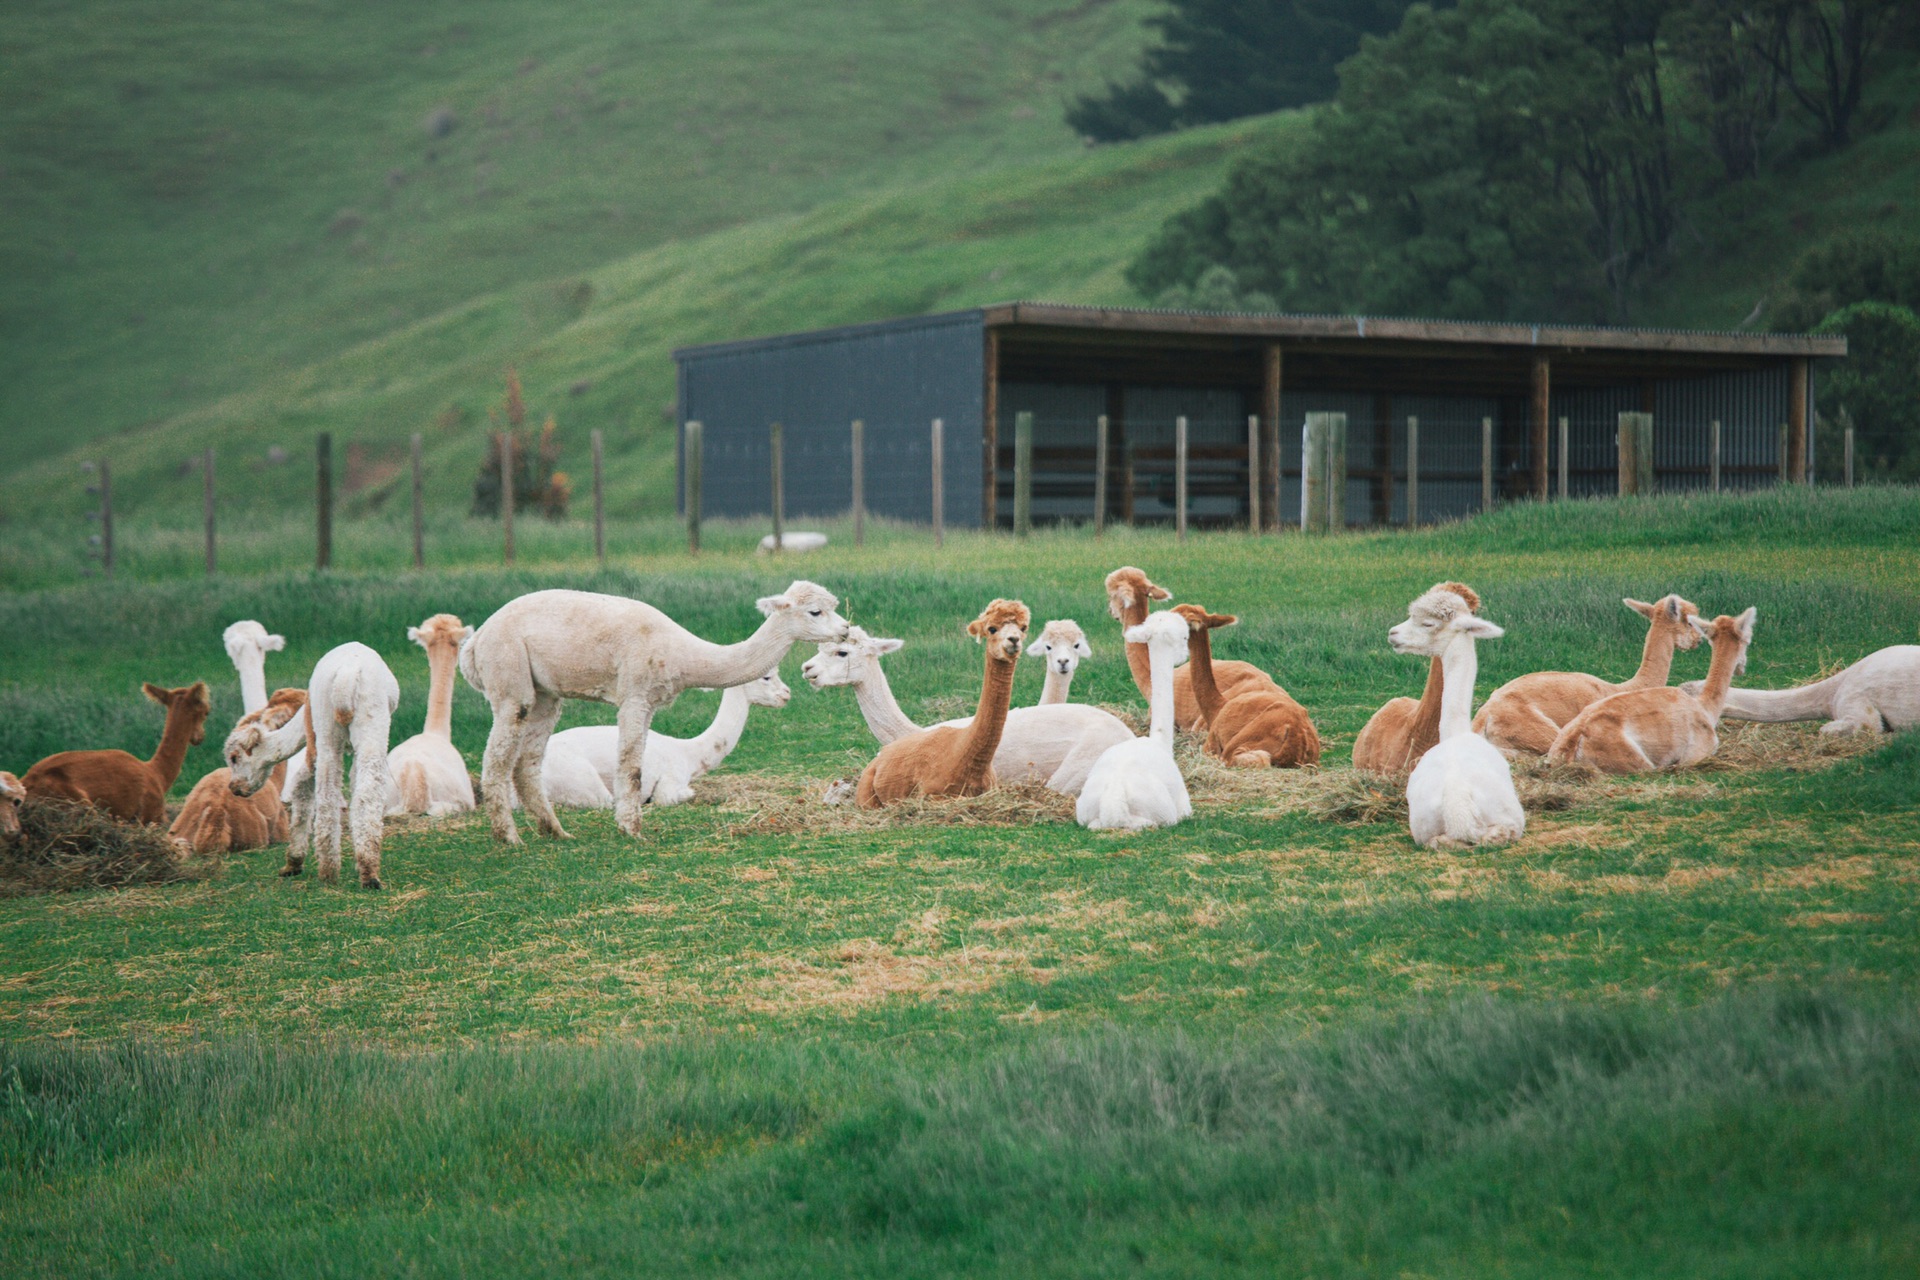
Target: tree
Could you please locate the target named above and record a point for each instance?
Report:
(1824, 57)
(1877, 387)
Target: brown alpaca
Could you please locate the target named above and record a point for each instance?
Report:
(129, 788)
(1257, 727)
(955, 760)
(1646, 729)
(215, 820)
(1128, 593)
(1527, 714)
(11, 794)
(1405, 729)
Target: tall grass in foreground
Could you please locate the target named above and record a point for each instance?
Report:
(1771, 1133)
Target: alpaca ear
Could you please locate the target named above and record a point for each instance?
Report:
(1640, 607)
(1479, 628)
(1137, 635)
(888, 646)
(978, 629)
(1158, 593)
(466, 634)
(1037, 648)
(1221, 620)
(1745, 623)
(1082, 648)
(162, 696)
(1701, 625)
(273, 644)
(771, 605)
(413, 634)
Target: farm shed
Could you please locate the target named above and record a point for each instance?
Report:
(1467, 384)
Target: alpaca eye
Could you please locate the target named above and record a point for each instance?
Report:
(839, 653)
(814, 612)
(993, 631)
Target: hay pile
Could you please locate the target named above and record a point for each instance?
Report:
(769, 804)
(64, 846)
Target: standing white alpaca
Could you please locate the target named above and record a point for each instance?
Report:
(580, 762)
(1461, 793)
(1136, 784)
(429, 774)
(350, 704)
(552, 645)
(1062, 643)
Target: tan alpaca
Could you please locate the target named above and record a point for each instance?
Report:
(955, 760)
(429, 775)
(215, 820)
(1257, 727)
(1128, 593)
(1406, 728)
(1527, 714)
(129, 788)
(11, 794)
(1646, 729)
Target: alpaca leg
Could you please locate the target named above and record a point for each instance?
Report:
(328, 788)
(1855, 715)
(369, 802)
(636, 717)
(497, 770)
(299, 822)
(529, 765)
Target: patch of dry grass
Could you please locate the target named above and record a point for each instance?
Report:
(64, 846)
(771, 804)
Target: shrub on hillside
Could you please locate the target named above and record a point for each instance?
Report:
(538, 483)
(1861, 266)
(1876, 390)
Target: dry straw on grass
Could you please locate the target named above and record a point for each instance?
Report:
(770, 805)
(63, 846)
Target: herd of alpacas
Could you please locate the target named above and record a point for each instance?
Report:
(286, 778)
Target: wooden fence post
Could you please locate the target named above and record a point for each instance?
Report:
(1323, 472)
(323, 496)
(1783, 453)
(1100, 476)
(506, 491)
(694, 460)
(1253, 473)
(1563, 459)
(106, 517)
(1022, 474)
(779, 488)
(419, 506)
(1713, 455)
(1180, 478)
(1486, 464)
(1413, 470)
(939, 483)
(206, 466)
(1635, 444)
(599, 505)
(859, 482)
(1849, 456)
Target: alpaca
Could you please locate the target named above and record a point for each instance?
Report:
(580, 762)
(1062, 644)
(1879, 692)
(1136, 784)
(248, 644)
(1258, 727)
(129, 788)
(1461, 792)
(1055, 744)
(1128, 594)
(1646, 729)
(955, 760)
(11, 794)
(551, 645)
(215, 820)
(428, 774)
(1526, 714)
(1399, 733)
(355, 696)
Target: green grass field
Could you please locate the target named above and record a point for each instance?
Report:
(1671, 1032)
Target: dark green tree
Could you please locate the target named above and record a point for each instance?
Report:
(1875, 390)
(1861, 266)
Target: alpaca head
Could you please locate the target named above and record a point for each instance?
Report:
(769, 690)
(1128, 587)
(1002, 627)
(808, 611)
(249, 637)
(1440, 618)
(248, 760)
(1198, 619)
(1166, 631)
(847, 661)
(1672, 615)
(1062, 643)
(1724, 631)
(11, 794)
(191, 703)
(441, 631)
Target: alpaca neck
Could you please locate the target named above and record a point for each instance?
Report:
(1459, 667)
(1054, 691)
(252, 666)
(1656, 659)
(440, 664)
(1138, 660)
(1713, 694)
(1160, 701)
(276, 781)
(983, 735)
(883, 715)
(706, 665)
(723, 735)
(1424, 730)
(174, 741)
(1200, 663)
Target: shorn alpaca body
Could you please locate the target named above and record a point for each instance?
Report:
(1399, 733)
(1061, 645)
(1461, 792)
(215, 819)
(129, 788)
(11, 794)
(1055, 744)
(581, 763)
(1259, 726)
(350, 704)
(1647, 729)
(955, 760)
(1136, 784)
(429, 775)
(1528, 713)
(543, 648)
(1129, 592)
(1879, 693)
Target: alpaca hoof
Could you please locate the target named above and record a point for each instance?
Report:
(292, 869)
(371, 882)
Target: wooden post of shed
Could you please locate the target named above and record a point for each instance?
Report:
(1022, 474)
(1563, 459)
(1537, 434)
(990, 435)
(206, 467)
(599, 504)
(323, 500)
(859, 482)
(939, 447)
(1780, 451)
(1713, 455)
(1253, 473)
(1413, 470)
(695, 459)
(1635, 444)
(419, 505)
(778, 479)
(506, 491)
(1100, 476)
(1270, 423)
(1797, 421)
(1486, 464)
(1180, 478)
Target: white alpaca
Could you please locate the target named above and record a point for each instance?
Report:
(1062, 643)
(1879, 692)
(429, 774)
(1055, 744)
(1461, 793)
(350, 704)
(1136, 784)
(552, 645)
(248, 644)
(580, 762)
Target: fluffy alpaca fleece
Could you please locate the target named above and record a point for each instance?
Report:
(552, 645)
(1061, 644)
(951, 760)
(1258, 727)
(429, 775)
(215, 820)
(1647, 729)
(1879, 693)
(1136, 784)
(11, 794)
(1403, 730)
(1129, 592)
(1527, 714)
(129, 788)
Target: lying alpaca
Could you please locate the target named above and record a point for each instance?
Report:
(1881, 692)
(215, 819)
(1258, 727)
(1646, 729)
(1526, 714)
(1403, 730)
(355, 695)
(955, 760)
(1128, 594)
(129, 788)
(1062, 644)
(1055, 744)
(11, 794)
(1136, 784)
(580, 762)
(429, 775)
(1461, 793)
